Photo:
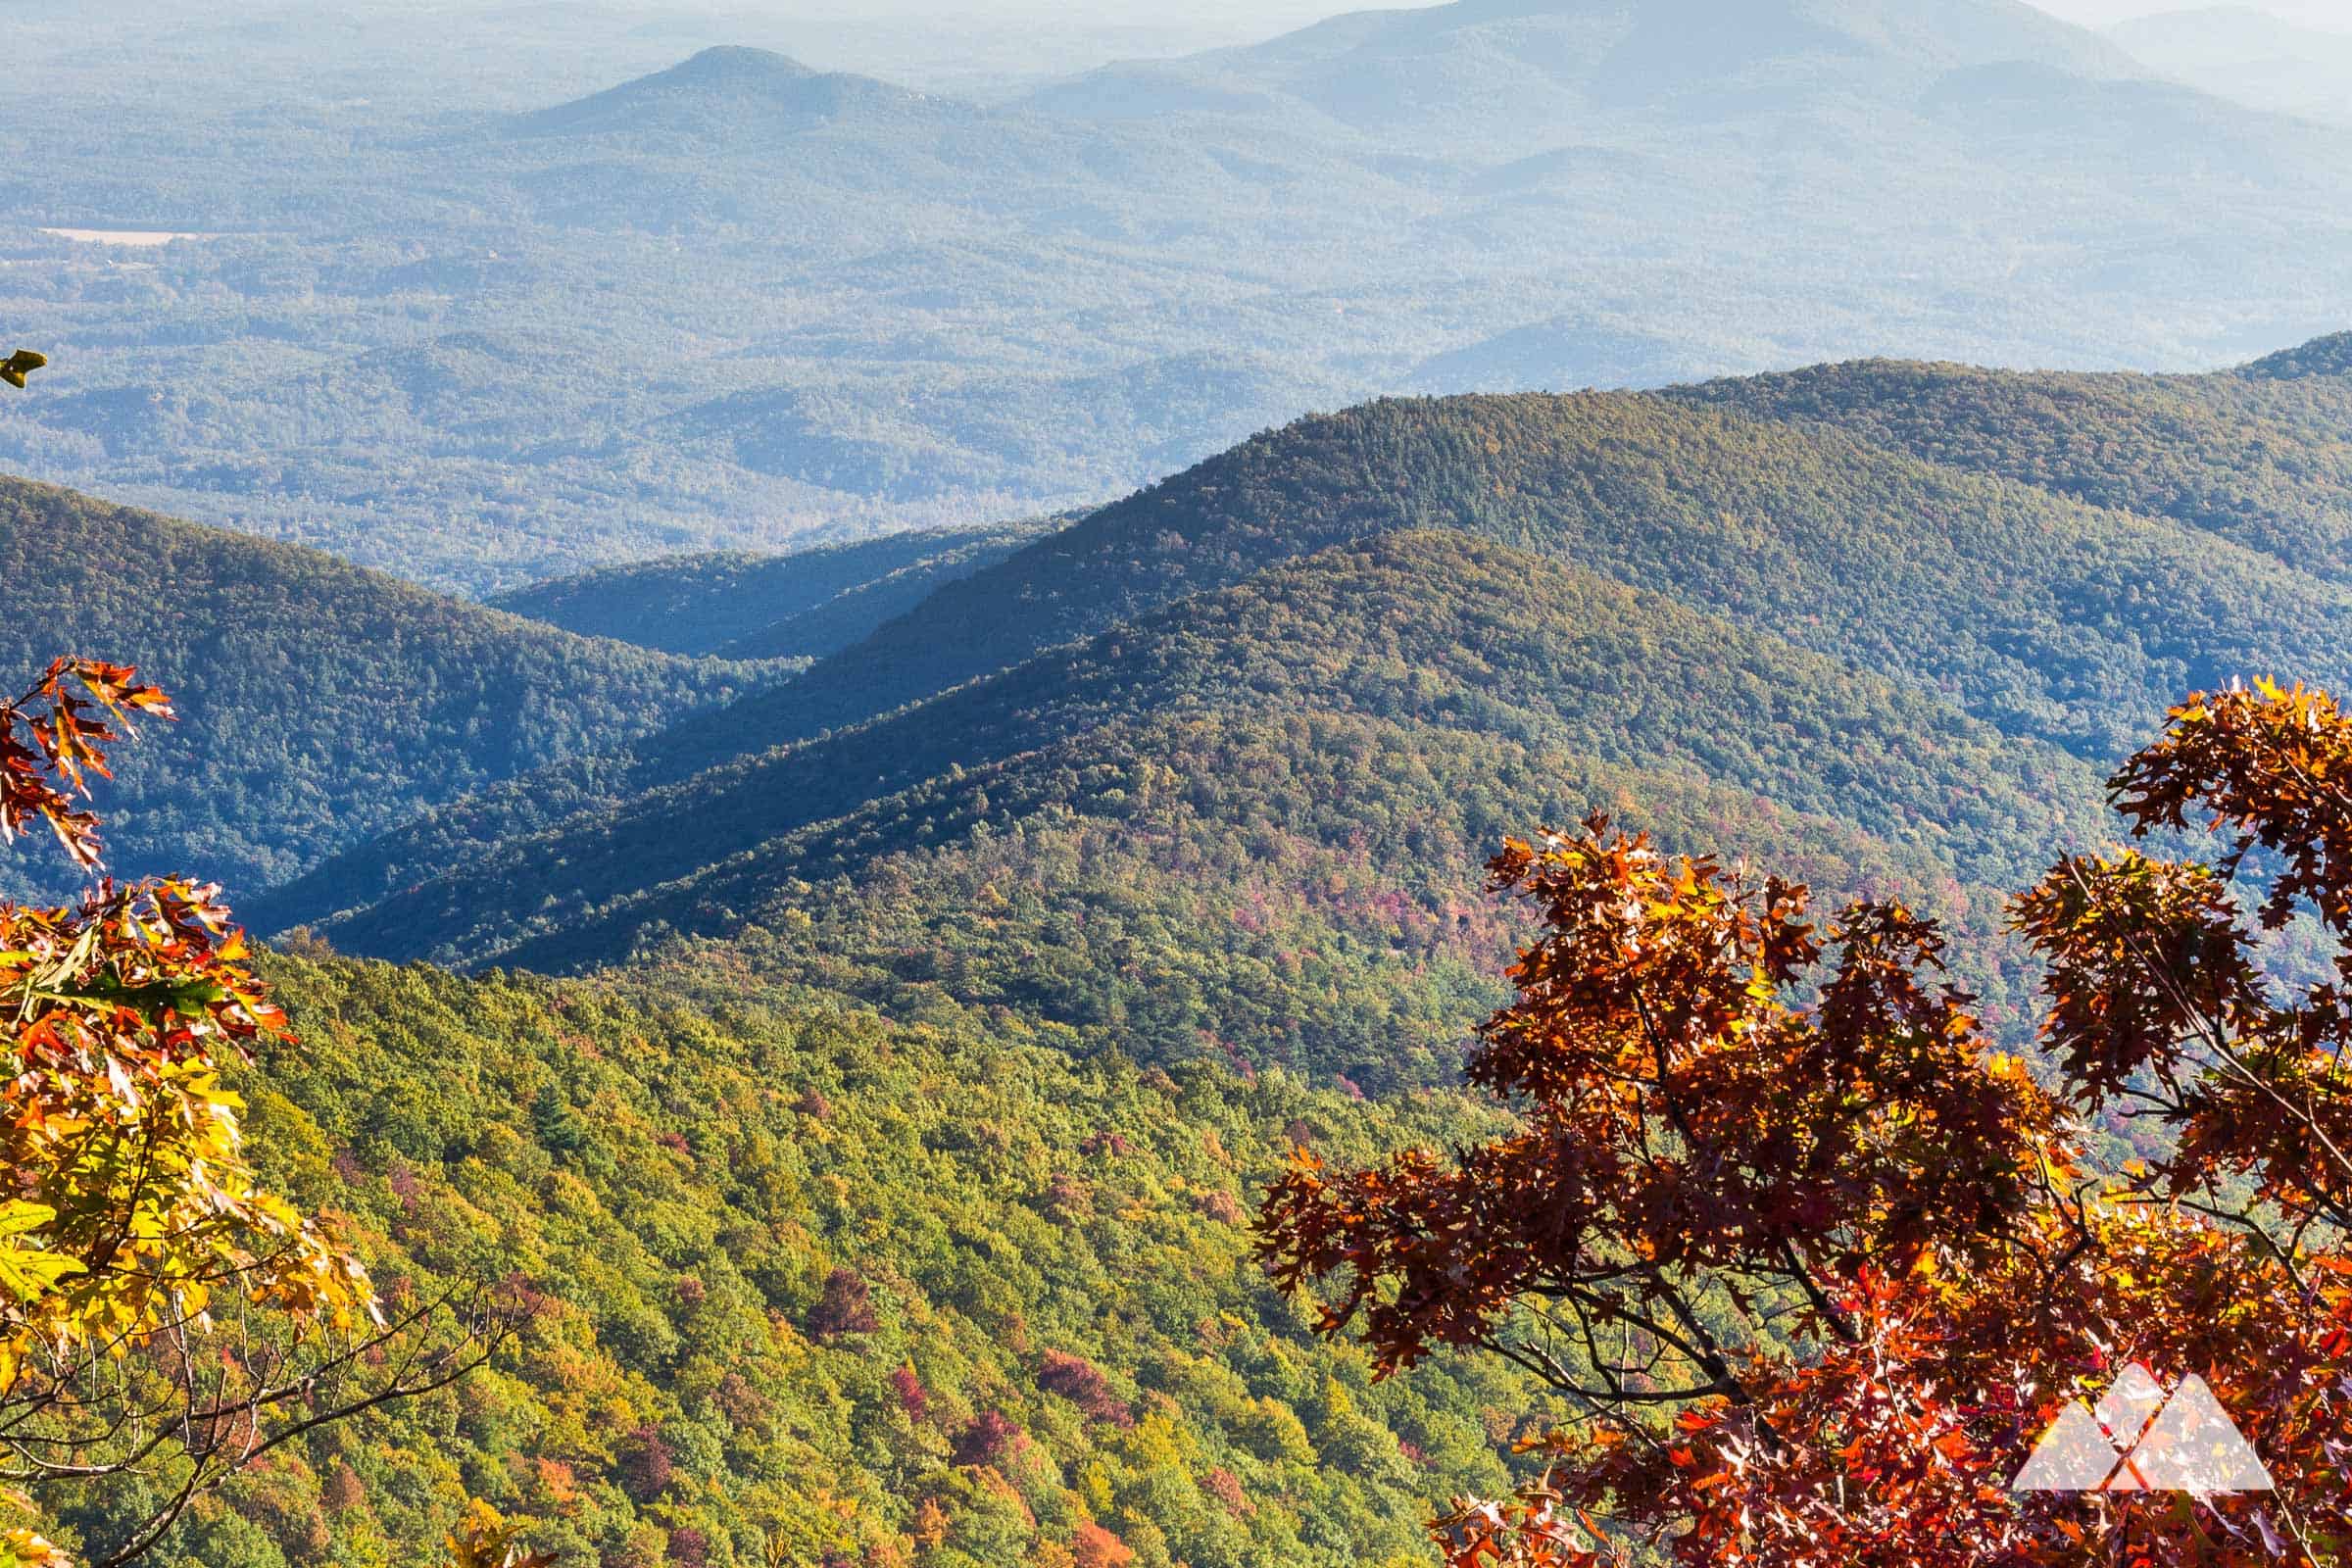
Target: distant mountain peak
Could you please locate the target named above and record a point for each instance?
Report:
(721, 91)
(1514, 72)
(2321, 356)
(734, 62)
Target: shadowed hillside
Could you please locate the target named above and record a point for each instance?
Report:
(798, 604)
(1997, 619)
(318, 704)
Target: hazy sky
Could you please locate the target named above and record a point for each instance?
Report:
(2336, 15)
(1240, 19)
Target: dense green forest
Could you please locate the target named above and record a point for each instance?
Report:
(321, 702)
(798, 1279)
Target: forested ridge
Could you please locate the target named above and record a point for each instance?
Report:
(2259, 457)
(2061, 625)
(1230, 732)
(323, 703)
(2037, 613)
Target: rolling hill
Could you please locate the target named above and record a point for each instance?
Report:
(320, 702)
(2038, 614)
(723, 95)
(1770, 614)
(1213, 755)
(1510, 73)
(739, 300)
(2262, 457)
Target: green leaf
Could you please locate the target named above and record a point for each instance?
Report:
(18, 1216)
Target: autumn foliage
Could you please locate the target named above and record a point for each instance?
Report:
(132, 1201)
(1822, 1265)
(161, 1314)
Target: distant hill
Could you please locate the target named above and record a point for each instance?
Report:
(1567, 355)
(702, 604)
(1165, 412)
(2247, 54)
(1509, 72)
(320, 702)
(737, 303)
(722, 94)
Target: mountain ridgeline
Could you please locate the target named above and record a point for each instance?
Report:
(320, 702)
(1890, 621)
(443, 335)
(801, 604)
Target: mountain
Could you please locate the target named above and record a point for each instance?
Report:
(1565, 355)
(1511, 71)
(318, 703)
(736, 303)
(2246, 54)
(1909, 584)
(1218, 745)
(2072, 624)
(725, 95)
(799, 604)
(2260, 457)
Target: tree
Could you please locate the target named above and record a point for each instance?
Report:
(161, 1314)
(2162, 1006)
(1822, 1266)
(845, 1307)
(484, 1539)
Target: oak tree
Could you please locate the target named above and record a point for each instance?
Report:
(1821, 1265)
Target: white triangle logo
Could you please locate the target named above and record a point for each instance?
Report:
(2140, 1440)
(2074, 1456)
